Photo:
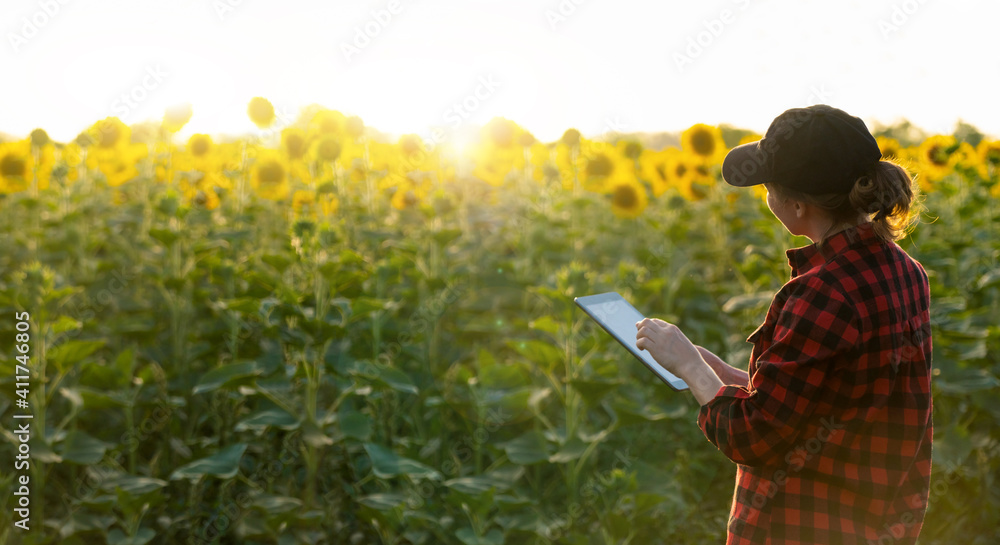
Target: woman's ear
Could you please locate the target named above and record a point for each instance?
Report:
(800, 208)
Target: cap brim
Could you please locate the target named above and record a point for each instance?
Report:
(746, 165)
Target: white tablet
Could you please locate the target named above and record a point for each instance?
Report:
(618, 318)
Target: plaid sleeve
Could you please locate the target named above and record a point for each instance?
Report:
(757, 423)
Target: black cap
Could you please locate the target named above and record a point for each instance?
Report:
(815, 150)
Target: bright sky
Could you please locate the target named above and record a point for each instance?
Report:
(597, 65)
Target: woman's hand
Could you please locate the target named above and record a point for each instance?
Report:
(667, 344)
(672, 349)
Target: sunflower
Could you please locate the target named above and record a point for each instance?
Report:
(113, 153)
(412, 154)
(199, 194)
(269, 177)
(501, 132)
(492, 169)
(201, 149)
(326, 123)
(326, 149)
(293, 143)
(969, 161)
(408, 195)
(630, 148)
(600, 163)
(121, 167)
(699, 184)
(354, 127)
(704, 142)
(570, 138)
(679, 167)
(936, 159)
(628, 198)
(16, 166)
(39, 138)
(890, 147)
(261, 112)
(175, 117)
(989, 155)
(654, 166)
(108, 135)
(200, 145)
(304, 202)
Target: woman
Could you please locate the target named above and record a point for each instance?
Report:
(830, 428)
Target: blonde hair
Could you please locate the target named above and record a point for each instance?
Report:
(886, 195)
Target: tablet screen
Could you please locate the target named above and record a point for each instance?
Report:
(618, 318)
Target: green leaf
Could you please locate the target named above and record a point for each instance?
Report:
(966, 381)
(223, 464)
(278, 261)
(355, 425)
(527, 449)
(123, 363)
(277, 504)
(386, 463)
(226, 375)
(750, 301)
(65, 323)
(71, 352)
(989, 279)
(73, 396)
(538, 352)
(547, 324)
(166, 236)
(133, 485)
(83, 449)
(386, 501)
(397, 380)
(260, 420)
(314, 434)
(571, 450)
(500, 479)
(96, 399)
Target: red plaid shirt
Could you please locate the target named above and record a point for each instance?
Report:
(832, 434)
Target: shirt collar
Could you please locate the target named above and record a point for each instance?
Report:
(811, 256)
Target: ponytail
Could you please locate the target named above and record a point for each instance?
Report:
(886, 193)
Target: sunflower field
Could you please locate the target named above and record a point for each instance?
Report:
(319, 335)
